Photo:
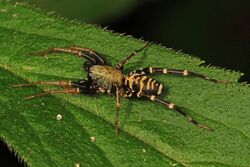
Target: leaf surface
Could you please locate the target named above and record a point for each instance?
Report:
(151, 134)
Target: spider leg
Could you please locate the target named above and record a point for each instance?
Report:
(173, 107)
(92, 56)
(152, 70)
(117, 111)
(63, 83)
(81, 86)
(65, 90)
(119, 66)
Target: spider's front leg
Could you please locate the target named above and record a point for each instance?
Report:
(119, 65)
(81, 86)
(93, 58)
(185, 73)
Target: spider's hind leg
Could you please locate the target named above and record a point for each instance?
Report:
(185, 73)
(173, 107)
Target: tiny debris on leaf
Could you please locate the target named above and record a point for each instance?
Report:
(93, 139)
(59, 117)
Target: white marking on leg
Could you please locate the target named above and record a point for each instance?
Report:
(130, 95)
(109, 91)
(185, 72)
(78, 90)
(152, 97)
(171, 106)
(150, 69)
(142, 73)
(102, 90)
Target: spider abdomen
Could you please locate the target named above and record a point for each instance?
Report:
(139, 84)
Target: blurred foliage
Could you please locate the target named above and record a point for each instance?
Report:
(216, 31)
(90, 11)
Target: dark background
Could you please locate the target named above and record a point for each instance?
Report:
(217, 31)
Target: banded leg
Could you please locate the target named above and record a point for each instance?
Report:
(81, 86)
(118, 104)
(65, 90)
(172, 106)
(119, 66)
(152, 70)
(87, 53)
(63, 83)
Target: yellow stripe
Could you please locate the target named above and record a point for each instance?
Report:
(148, 83)
(153, 84)
(141, 85)
(126, 80)
(160, 89)
(131, 81)
(137, 79)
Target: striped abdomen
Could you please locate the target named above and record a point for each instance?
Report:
(139, 84)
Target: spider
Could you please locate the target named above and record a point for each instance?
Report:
(103, 78)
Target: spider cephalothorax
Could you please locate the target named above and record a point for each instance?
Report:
(103, 78)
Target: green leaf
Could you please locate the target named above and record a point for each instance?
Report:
(151, 134)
